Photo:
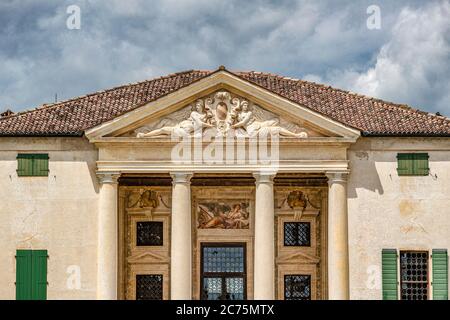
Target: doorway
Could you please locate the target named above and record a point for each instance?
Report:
(223, 271)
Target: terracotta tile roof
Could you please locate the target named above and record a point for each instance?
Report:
(371, 116)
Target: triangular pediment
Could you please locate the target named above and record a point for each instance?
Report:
(148, 257)
(296, 257)
(225, 105)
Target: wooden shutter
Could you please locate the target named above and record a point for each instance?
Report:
(404, 164)
(32, 164)
(440, 274)
(39, 275)
(389, 274)
(420, 167)
(40, 165)
(23, 274)
(24, 165)
(31, 274)
(412, 164)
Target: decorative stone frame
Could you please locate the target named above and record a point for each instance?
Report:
(134, 260)
(291, 269)
(148, 269)
(222, 236)
(311, 260)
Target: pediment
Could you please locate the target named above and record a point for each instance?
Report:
(296, 257)
(221, 105)
(147, 257)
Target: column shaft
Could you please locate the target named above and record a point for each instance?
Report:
(181, 244)
(338, 268)
(107, 238)
(264, 271)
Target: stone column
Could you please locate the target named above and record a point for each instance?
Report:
(181, 243)
(264, 272)
(338, 278)
(107, 237)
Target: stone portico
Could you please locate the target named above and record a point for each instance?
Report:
(129, 150)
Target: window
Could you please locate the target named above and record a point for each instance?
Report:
(415, 282)
(297, 287)
(149, 287)
(414, 275)
(149, 233)
(32, 165)
(31, 274)
(297, 234)
(223, 274)
(412, 164)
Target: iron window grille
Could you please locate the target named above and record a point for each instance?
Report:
(149, 233)
(414, 275)
(149, 287)
(297, 234)
(297, 287)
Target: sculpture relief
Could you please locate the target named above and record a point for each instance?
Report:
(146, 199)
(298, 201)
(197, 120)
(222, 115)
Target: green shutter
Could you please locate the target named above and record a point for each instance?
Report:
(39, 275)
(412, 164)
(24, 165)
(23, 275)
(404, 164)
(389, 274)
(40, 165)
(440, 274)
(31, 274)
(421, 164)
(31, 164)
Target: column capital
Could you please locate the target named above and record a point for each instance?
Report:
(264, 177)
(181, 177)
(336, 176)
(108, 177)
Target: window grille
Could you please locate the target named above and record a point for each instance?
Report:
(149, 287)
(149, 233)
(297, 234)
(414, 275)
(297, 287)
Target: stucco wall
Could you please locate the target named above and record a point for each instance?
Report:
(57, 213)
(388, 211)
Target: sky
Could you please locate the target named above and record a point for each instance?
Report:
(398, 50)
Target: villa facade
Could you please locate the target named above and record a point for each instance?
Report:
(224, 185)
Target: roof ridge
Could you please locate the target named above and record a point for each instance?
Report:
(56, 104)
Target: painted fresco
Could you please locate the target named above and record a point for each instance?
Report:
(223, 215)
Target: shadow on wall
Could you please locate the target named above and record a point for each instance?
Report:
(363, 174)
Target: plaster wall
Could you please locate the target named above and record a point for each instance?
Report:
(57, 213)
(388, 211)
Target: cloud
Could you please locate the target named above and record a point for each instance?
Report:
(126, 41)
(413, 67)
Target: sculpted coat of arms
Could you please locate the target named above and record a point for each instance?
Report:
(221, 114)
